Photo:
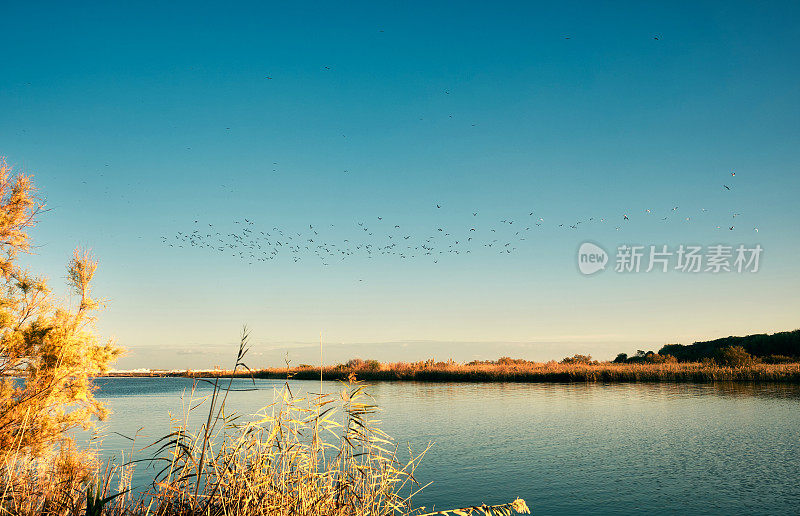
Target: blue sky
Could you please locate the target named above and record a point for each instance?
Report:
(137, 120)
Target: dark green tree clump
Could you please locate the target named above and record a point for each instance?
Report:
(777, 347)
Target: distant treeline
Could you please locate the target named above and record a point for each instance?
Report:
(780, 347)
(783, 344)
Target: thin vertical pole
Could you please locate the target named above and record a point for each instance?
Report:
(320, 361)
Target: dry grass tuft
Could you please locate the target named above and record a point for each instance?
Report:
(321, 454)
(503, 509)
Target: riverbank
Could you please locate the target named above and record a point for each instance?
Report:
(526, 372)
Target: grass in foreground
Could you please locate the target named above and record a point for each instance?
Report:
(299, 456)
(313, 455)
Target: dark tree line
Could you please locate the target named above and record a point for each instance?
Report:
(778, 346)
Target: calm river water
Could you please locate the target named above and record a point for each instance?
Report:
(564, 448)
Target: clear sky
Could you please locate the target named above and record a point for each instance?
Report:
(138, 120)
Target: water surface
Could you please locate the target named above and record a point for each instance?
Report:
(564, 448)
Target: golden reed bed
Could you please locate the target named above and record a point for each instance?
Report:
(527, 372)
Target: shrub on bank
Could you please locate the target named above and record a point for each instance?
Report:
(579, 359)
(49, 354)
(734, 356)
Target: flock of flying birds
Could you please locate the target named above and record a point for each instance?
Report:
(379, 237)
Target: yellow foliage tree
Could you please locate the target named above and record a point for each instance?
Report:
(48, 353)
